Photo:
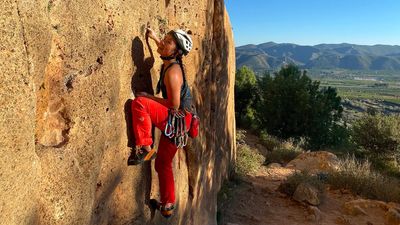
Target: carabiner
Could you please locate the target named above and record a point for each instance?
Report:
(186, 137)
(169, 127)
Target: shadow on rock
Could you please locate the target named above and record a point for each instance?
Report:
(141, 79)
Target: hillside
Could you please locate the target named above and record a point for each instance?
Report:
(270, 56)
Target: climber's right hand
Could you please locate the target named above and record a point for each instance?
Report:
(151, 34)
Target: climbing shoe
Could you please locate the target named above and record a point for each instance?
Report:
(165, 212)
(140, 155)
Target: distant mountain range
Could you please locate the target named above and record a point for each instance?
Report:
(271, 56)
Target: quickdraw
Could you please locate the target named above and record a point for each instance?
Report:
(176, 128)
(169, 129)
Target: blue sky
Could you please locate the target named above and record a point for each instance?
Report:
(310, 22)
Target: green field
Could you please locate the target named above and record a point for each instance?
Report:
(383, 86)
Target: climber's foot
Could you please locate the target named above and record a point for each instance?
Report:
(141, 154)
(166, 210)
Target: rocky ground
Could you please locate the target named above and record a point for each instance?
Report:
(256, 200)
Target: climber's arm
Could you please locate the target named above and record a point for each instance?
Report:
(173, 82)
(151, 34)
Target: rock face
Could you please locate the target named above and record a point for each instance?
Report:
(68, 71)
(315, 162)
(306, 193)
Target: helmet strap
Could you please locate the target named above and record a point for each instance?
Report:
(167, 57)
(172, 56)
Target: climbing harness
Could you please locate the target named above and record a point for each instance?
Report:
(176, 127)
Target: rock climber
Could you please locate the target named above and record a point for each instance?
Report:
(171, 114)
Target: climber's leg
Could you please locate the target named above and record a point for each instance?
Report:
(163, 165)
(146, 112)
(166, 152)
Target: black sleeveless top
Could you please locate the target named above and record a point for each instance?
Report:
(186, 96)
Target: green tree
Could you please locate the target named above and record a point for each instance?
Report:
(245, 98)
(292, 105)
(324, 128)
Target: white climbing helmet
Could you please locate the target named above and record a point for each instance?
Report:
(184, 41)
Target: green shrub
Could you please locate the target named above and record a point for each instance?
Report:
(282, 155)
(379, 138)
(245, 97)
(378, 134)
(270, 142)
(240, 136)
(389, 167)
(247, 161)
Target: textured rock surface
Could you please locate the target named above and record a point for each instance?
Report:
(315, 162)
(68, 69)
(306, 193)
(391, 211)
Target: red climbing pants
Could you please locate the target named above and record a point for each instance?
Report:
(147, 112)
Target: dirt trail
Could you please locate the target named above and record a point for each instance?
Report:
(257, 201)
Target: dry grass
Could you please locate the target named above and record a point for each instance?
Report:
(281, 152)
(357, 176)
(282, 155)
(354, 175)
